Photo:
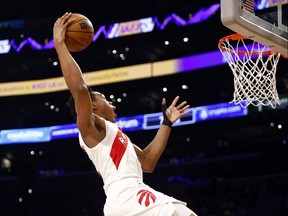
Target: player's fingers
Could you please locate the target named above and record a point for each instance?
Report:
(185, 113)
(181, 105)
(174, 102)
(184, 108)
(65, 18)
(66, 15)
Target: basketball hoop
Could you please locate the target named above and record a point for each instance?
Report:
(254, 69)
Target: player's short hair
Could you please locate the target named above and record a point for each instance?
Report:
(71, 102)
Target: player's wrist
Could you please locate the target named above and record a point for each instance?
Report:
(166, 121)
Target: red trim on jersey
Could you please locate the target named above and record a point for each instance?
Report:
(118, 148)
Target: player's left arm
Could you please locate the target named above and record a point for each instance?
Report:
(150, 155)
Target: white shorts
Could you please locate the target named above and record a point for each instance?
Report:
(138, 199)
(182, 210)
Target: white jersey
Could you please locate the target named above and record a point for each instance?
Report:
(116, 162)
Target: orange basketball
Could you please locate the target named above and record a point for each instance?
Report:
(79, 34)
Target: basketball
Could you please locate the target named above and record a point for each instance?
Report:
(79, 33)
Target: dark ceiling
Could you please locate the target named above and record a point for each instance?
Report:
(207, 86)
(106, 12)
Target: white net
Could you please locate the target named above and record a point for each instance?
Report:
(254, 70)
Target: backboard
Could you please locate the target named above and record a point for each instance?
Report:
(264, 21)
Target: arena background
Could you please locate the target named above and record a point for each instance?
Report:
(224, 166)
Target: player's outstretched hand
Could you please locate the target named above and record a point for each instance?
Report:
(174, 111)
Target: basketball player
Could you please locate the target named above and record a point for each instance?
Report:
(118, 161)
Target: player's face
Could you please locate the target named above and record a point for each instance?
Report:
(105, 108)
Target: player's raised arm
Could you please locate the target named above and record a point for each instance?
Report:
(73, 76)
(151, 154)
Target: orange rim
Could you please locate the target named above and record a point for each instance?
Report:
(235, 37)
